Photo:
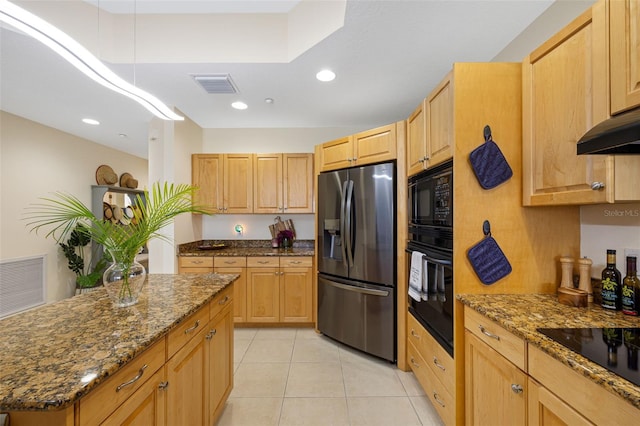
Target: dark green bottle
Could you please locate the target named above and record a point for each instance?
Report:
(611, 284)
(630, 288)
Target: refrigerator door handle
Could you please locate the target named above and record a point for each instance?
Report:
(355, 289)
(343, 231)
(349, 224)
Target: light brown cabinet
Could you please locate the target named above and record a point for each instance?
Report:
(433, 367)
(279, 290)
(366, 147)
(225, 182)
(504, 374)
(235, 265)
(283, 183)
(195, 264)
(565, 94)
(624, 32)
(430, 129)
(220, 355)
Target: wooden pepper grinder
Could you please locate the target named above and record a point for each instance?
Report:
(566, 263)
(584, 266)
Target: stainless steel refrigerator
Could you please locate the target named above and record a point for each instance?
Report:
(357, 258)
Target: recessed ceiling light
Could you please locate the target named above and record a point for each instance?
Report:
(239, 105)
(90, 121)
(268, 100)
(326, 75)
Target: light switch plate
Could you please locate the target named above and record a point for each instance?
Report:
(631, 252)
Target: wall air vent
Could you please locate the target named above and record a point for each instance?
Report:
(215, 83)
(22, 284)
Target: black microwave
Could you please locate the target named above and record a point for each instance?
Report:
(431, 197)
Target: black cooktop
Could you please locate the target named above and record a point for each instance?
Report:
(615, 349)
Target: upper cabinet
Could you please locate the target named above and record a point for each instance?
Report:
(283, 183)
(624, 54)
(566, 93)
(225, 182)
(430, 129)
(371, 146)
(253, 183)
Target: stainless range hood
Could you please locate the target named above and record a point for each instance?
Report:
(618, 135)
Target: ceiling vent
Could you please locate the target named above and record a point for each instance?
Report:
(216, 83)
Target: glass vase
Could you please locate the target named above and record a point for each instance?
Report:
(124, 281)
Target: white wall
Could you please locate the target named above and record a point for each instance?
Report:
(37, 161)
(263, 141)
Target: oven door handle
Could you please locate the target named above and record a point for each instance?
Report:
(429, 258)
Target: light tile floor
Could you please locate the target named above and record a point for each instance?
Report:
(289, 376)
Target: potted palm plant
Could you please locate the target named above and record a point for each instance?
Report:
(87, 276)
(125, 277)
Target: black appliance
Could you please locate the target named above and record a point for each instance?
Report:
(357, 257)
(615, 349)
(619, 134)
(431, 234)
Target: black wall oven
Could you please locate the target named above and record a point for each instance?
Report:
(431, 234)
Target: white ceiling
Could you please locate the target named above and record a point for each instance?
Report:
(387, 56)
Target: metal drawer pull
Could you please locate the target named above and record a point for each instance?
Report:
(230, 262)
(224, 301)
(414, 334)
(516, 388)
(263, 262)
(296, 262)
(197, 262)
(486, 333)
(413, 361)
(190, 329)
(440, 366)
(437, 398)
(132, 381)
(163, 385)
(211, 333)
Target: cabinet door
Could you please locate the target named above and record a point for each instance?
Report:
(267, 183)
(565, 94)
(220, 345)
(207, 175)
(624, 19)
(439, 126)
(146, 406)
(495, 389)
(375, 145)
(416, 141)
(336, 154)
(546, 409)
(263, 296)
(296, 300)
(186, 374)
(239, 292)
(297, 172)
(238, 183)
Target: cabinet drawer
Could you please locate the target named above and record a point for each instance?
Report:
(188, 328)
(222, 300)
(263, 261)
(511, 347)
(436, 392)
(103, 400)
(438, 360)
(229, 262)
(296, 262)
(196, 262)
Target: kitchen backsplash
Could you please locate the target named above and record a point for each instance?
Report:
(609, 226)
(254, 226)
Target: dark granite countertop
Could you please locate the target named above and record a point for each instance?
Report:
(47, 353)
(245, 248)
(523, 314)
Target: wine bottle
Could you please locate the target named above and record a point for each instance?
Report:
(630, 288)
(611, 284)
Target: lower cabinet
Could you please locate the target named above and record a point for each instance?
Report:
(195, 265)
(434, 368)
(220, 355)
(235, 265)
(279, 290)
(501, 388)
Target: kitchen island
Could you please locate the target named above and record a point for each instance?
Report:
(54, 357)
(508, 325)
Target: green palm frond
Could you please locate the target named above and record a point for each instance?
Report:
(63, 213)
